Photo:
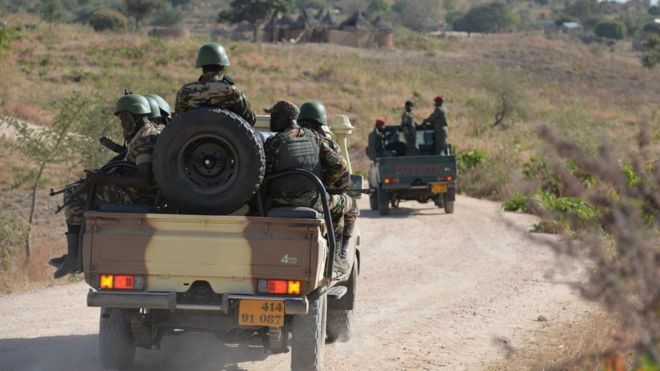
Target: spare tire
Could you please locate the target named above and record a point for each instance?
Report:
(208, 161)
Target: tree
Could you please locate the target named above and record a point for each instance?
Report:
(51, 11)
(610, 30)
(254, 11)
(140, 9)
(108, 20)
(581, 9)
(168, 16)
(506, 101)
(419, 15)
(487, 18)
(70, 139)
(378, 6)
(651, 57)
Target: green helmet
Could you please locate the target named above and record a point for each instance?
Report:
(314, 111)
(155, 110)
(212, 53)
(133, 103)
(162, 104)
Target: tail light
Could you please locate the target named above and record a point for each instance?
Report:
(447, 178)
(279, 287)
(121, 282)
(390, 180)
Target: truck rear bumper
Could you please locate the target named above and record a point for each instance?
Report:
(165, 300)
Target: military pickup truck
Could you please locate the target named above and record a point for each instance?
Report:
(156, 270)
(412, 175)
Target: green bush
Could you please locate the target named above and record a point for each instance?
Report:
(487, 18)
(7, 35)
(108, 20)
(469, 160)
(517, 202)
(608, 29)
(571, 212)
(13, 233)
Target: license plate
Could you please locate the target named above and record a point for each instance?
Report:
(261, 313)
(439, 187)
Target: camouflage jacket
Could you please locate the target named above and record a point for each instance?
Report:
(212, 90)
(334, 171)
(438, 118)
(140, 148)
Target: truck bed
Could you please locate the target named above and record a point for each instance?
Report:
(407, 171)
(174, 251)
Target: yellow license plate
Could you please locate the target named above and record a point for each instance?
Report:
(439, 188)
(261, 313)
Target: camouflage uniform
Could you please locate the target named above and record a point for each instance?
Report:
(214, 90)
(438, 121)
(409, 131)
(139, 151)
(333, 173)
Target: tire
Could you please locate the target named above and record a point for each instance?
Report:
(208, 161)
(341, 322)
(308, 337)
(383, 202)
(449, 205)
(116, 342)
(373, 200)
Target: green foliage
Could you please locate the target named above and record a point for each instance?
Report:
(610, 30)
(51, 11)
(517, 202)
(168, 16)
(487, 18)
(469, 160)
(571, 212)
(254, 11)
(108, 20)
(7, 35)
(651, 57)
(418, 15)
(581, 9)
(378, 6)
(13, 234)
(140, 9)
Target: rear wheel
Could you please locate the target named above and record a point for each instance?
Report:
(340, 321)
(308, 337)
(449, 205)
(116, 342)
(383, 202)
(373, 200)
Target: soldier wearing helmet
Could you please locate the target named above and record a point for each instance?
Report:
(438, 122)
(300, 147)
(343, 207)
(161, 112)
(408, 127)
(376, 147)
(140, 135)
(214, 88)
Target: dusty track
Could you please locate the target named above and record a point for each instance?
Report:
(436, 292)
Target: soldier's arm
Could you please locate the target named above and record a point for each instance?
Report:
(143, 177)
(179, 105)
(245, 110)
(334, 168)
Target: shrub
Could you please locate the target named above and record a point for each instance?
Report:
(469, 160)
(614, 30)
(493, 17)
(651, 57)
(13, 234)
(108, 20)
(517, 202)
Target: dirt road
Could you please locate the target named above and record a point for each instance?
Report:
(436, 292)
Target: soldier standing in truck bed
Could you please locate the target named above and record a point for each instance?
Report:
(408, 128)
(375, 145)
(214, 88)
(438, 122)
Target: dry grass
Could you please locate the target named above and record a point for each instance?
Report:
(584, 344)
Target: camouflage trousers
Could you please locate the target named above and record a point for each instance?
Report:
(344, 212)
(105, 194)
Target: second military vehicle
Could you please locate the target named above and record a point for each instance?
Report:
(416, 174)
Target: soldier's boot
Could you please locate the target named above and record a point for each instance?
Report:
(70, 263)
(57, 262)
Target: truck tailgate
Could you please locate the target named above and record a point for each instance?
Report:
(411, 169)
(229, 252)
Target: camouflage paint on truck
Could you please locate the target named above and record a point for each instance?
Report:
(228, 252)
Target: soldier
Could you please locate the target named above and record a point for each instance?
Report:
(343, 207)
(376, 148)
(408, 128)
(295, 147)
(214, 88)
(438, 122)
(161, 112)
(141, 136)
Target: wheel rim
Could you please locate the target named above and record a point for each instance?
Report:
(208, 164)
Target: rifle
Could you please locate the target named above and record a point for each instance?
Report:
(82, 187)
